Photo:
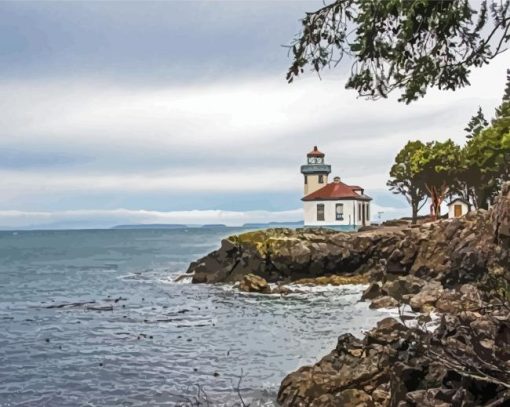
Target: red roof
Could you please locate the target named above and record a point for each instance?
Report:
(355, 187)
(333, 191)
(315, 153)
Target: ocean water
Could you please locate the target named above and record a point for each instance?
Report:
(94, 318)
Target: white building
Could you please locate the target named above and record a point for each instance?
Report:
(331, 204)
(457, 208)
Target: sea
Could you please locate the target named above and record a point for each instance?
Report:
(95, 318)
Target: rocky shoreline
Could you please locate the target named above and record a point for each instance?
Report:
(459, 268)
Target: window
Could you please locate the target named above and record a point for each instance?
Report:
(367, 212)
(306, 179)
(339, 211)
(320, 211)
(359, 211)
(321, 179)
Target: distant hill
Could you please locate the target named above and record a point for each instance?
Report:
(151, 226)
(273, 224)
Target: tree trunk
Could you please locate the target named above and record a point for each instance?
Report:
(437, 207)
(437, 195)
(482, 200)
(414, 206)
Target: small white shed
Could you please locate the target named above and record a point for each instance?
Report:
(457, 208)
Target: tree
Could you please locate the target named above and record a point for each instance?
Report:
(471, 182)
(497, 154)
(404, 181)
(476, 124)
(506, 96)
(436, 166)
(405, 45)
(486, 155)
(480, 169)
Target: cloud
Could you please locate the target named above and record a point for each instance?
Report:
(245, 134)
(89, 120)
(18, 183)
(143, 41)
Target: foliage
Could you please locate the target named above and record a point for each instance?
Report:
(404, 181)
(436, 166)
(476, 124)
(406, 45)
(506, 95)
(475, 171)
(486, 155)
(483, 164)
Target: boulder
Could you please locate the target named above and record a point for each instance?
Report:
(254, 284)
(334, 380)
(282, 290)
(449, 301)
(384, 302)
(387, 331)
(426, 299)
(380, 396)
(373, 291)
(402, 286)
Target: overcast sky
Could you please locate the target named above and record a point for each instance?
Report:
(178, 112)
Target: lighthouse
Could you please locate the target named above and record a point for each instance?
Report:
(331, 203)
(315, 171)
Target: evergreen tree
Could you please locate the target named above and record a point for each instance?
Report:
(476, 124)
(506, 96)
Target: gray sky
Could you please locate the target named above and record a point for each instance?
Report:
(179, 112)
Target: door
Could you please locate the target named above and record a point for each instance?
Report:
(363, 212)
(457, 211)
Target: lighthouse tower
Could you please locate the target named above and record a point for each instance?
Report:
(315, 171)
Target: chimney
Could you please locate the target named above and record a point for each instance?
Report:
(315, 148)
(336, 180)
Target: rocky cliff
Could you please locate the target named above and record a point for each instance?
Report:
(459, 267)
(289, 255)
(452, 252)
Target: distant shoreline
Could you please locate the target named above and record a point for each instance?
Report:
(157, 226)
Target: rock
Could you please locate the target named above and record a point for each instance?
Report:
(290, 255)
(380, 396)
(449, 301)
(454, 252)
(386, 332)
(368, 228)
(333, 375)
(464, 361)
(254, 284)
(427, 297)
(403, 286)
(280, 289)
(326, 400)
(501, 217)
(353, 398)
(425, 398)
(333, 280)
(384, 302)
(373, 291)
